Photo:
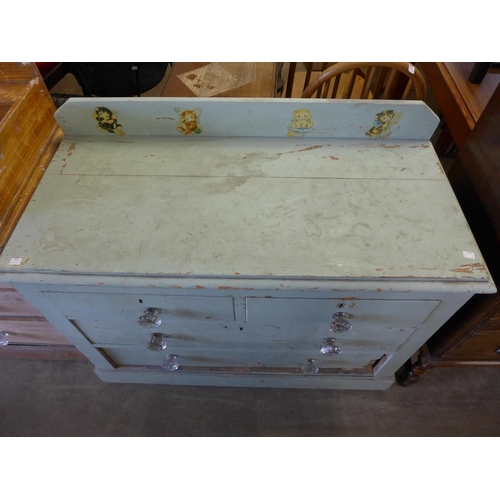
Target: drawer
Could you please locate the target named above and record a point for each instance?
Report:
(32, 330)
(132, 306)
(243, 358)
(361, 313)
(478, 347)
(226, 335)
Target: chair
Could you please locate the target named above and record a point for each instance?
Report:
(293, 79)
(365, 80)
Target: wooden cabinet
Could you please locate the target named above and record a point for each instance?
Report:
(29, 136)
(472, 336)
(30, 335)
(272, 243)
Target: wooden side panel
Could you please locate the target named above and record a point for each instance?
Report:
(492, 324)
(478, 347)
(24, 323)
(13, 304)
(475, 178)
(29, 136)
(458, 116)
(35, 331)
(18, 72)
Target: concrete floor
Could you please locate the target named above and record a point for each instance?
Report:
(65, 398)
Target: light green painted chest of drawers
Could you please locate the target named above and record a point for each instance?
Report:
(228, 242)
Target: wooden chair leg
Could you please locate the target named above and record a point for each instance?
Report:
(291, 76)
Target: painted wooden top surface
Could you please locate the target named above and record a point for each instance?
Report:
(288, 207)
(238, 117)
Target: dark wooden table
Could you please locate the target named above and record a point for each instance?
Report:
(196, 79)
(472, 335)
(460, 101)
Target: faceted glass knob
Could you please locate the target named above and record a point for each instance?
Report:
(170, 363)
(4, 339)
(309, 366)
(150, 318)
(157, 342)
(340, 323)
(329, 347)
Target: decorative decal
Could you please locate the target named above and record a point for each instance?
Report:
(188, 121)
(107, 120)
(383, 122)
(301, 123)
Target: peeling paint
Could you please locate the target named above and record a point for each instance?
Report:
(470, 268)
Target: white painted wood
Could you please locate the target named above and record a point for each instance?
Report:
(239, 157)
(179, 334)
(132, 306)
(246, 226)
(247, 238)
(216, 117)
(361, 313)
(285, 381)
(350, 358)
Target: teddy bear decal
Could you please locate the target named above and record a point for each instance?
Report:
(383, 122)
(188, 122)
(301, 123)
(107, 120)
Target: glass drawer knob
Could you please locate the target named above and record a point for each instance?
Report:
(4, 339)
(150, 318)
(157, 342)
(329, 347)
(310, 366)
(171, 364)
(340, 323)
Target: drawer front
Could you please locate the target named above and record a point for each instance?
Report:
(243, 358)
(227, 335)
(361, 313)
(32, 330)
(478, 347)
(131, 306)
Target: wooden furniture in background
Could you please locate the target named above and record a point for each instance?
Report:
(480, 70)
(30, 334)
(460, 101)
(250, 79)
(472, 335)
(29, 136)
(295, 86)
(377, 81)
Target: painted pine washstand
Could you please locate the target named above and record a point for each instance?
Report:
(246, 242)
